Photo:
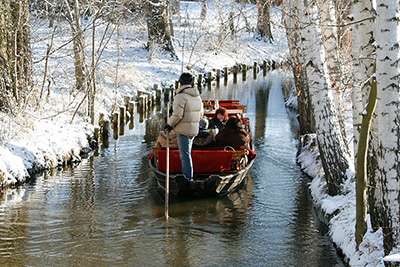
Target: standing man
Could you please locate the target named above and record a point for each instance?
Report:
(187, 111)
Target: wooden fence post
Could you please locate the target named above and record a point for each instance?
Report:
(131, 111)
(105, 133)
(226, 76)
(199, 81)
(264, 67)
(101, 119)
(150, 102)
(122, 112)
(235, 72)
(244, 72)
(209, 77)
(96, 136)
(255, 71)
(218, 76)
(166, 96)
(158, 94)
(115, 123)
(145, 103)
(126, 101)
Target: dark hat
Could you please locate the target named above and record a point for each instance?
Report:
(186, 78)
(203, 124)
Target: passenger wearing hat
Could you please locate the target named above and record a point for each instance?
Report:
(205, 136)
(187, 112)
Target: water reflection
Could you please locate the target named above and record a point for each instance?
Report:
(107, 211)
(261, 113)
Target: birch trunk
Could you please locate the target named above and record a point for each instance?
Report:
(293, 34)
(363, 56)
(328, 22)
(363, 60)
(332, 146)
(329, 40)
(388, 117)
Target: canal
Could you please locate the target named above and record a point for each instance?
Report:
(106, 212)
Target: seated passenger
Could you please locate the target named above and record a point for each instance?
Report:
(205, 137)
(219, 120)
(233, 135)
(162, 140)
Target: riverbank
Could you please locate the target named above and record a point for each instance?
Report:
(339, 211)
(44, 135)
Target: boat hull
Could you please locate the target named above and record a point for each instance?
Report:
(205, 186)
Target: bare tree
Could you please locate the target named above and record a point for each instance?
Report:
(204, 7)
(74, 17)
(263, 20)
(15, 53)
(159, 25)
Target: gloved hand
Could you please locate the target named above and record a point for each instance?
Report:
(168, 128)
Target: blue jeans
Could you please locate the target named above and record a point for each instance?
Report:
(185, 151)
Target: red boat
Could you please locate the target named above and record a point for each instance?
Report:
(218, 171)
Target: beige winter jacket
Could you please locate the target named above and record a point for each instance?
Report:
(187, 111)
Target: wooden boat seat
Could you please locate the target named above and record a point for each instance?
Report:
(233, 106)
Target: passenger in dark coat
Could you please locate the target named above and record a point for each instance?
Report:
(219, 120)
(205, 136)
(233, 135)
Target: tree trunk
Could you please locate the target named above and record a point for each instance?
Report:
(79, 48)
(327, 13)
(175, 7)
(363, 61)
(204, 8)
(15, 52)
(159, 25)
(361, 167)
(388, 117)
(263, 20)
(329, 40)
(293, 33)
(332, 146)
(363, 57)
(92, 88)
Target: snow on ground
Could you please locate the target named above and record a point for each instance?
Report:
(44, 137)
(340, 210)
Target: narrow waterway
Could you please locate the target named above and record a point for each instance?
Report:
(106, 212)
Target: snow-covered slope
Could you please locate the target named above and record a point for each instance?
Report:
(44, 137)
(340, 210)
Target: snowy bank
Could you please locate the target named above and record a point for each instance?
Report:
(46, 145)
(340, 210)
(289, 90)
(43, 136)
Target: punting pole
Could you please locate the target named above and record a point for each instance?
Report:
(167, 172)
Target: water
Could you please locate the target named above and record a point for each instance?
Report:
(105, 212)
